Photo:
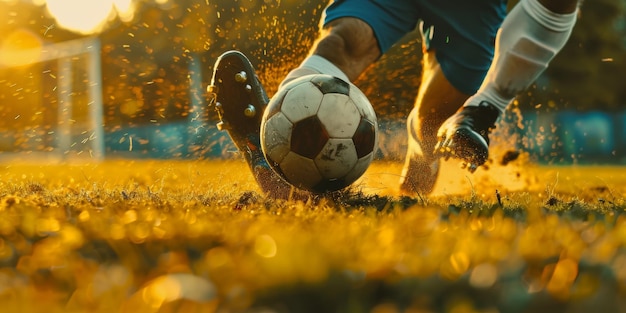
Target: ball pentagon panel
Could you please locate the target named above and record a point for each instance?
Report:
(300, 171)
(301, 102)
(275, 137)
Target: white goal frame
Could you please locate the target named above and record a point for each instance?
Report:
(64, 53)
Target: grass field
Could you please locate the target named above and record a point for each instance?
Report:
(196, 236)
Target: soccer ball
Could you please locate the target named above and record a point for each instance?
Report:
(319, 133)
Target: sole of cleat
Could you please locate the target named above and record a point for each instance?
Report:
(237, 96)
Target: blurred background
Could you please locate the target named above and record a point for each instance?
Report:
(127, 79)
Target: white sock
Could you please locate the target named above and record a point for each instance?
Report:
(314, 64)
(529, 38)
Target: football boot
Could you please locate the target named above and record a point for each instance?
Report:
(239, 99)
(465, 135)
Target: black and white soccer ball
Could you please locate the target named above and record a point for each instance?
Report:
(319, 133)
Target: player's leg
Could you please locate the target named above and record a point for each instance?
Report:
(346, 47)
(437, 99)
(531, 35)
(458, 52)
(354, 34)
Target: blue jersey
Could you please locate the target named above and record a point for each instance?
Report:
(461, 32)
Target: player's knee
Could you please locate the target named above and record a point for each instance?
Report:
(333, 45)
(349, 42)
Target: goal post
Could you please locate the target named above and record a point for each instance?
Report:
(69, 135)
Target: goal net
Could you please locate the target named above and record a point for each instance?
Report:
(51, 101)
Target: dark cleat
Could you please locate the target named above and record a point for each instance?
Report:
(465, 135)
(238, 97)
(239, 100)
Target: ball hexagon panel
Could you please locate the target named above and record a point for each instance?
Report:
(337, 158)
(275, 104)
(329, 84)
(365, 138)
(301, 102)
(300, 171)
(308, 137)
(275, 139)
(339, 115)
(364, 106)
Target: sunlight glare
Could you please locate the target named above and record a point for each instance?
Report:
(84, 16)
(124, 9)
(88, 16)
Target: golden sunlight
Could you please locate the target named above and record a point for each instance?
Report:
(88, 16)
(20, 47)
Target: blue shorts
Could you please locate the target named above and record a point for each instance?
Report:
(461, 32)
